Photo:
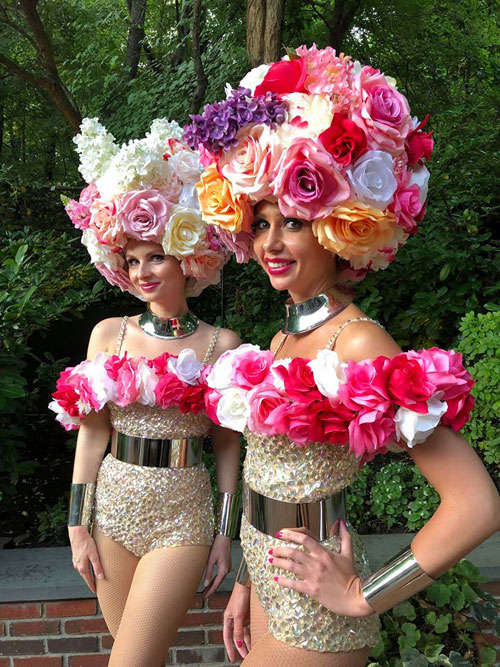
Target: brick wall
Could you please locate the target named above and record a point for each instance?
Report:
(72, 633)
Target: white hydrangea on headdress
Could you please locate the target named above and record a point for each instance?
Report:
(143, 190)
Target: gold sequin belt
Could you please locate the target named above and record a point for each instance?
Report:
(269, 516)
(157, 452)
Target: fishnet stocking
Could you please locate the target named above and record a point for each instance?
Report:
(269, 651)
(146, 601)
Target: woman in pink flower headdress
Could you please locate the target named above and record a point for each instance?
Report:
(315, 166)
(150, 514)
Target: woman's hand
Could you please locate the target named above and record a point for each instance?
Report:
(220, 556)
(327, 577)
(84, 552)
(237, 623)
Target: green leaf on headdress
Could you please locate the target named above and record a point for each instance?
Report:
(65, 200)
(292, 53)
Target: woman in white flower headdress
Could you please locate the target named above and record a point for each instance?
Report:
(144, 383)
(321, 158)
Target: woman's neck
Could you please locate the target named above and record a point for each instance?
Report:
(170, 309)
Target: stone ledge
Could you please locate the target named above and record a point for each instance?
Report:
(47, 574)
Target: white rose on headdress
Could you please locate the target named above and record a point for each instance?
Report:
(414, 427)
(186, 366)
(420, 176)
(189, 197)
(254, 77)
(314, 114)
(101, 254)
(233, 409)
(184, 232)
(187, 166)
(372, 178)
(328, 372)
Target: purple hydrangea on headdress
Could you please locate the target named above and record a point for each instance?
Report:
(217, 126)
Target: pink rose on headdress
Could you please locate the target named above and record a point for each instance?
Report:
(408, 384)
(370, 432)
(104, 223)
(419, 145)
(383, 113)
(79, 214)
(144, 214)
(307, 182)
(239, 244)
(205, 264)
(118, 277)
(250, 164)
(365, 385)
(344, 140)
(284, 76)
(267, 410)
(327, 73)
(252, 368)
(406, 205)
(88, 195)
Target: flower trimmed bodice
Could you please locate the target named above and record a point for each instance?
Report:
(361, 407)
(162, 397)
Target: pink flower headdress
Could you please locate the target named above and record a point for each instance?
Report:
(328, 139)
(143, 190)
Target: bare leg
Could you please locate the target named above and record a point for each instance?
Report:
(119, 566)
(164, 584)
(270, 651)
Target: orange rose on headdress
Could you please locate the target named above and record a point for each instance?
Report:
(219, 205)
(355, 228)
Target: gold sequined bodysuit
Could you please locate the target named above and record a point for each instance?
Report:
(279, 469)
(145, 508)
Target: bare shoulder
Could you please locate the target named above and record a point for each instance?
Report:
(227, 340)
(103, 336)
(365, 340)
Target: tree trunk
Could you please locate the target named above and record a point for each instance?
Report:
(182, 33)
(272, 30)
(49, 80)
(137, 10)
(264, 20)
(342, 17)
(201, 77)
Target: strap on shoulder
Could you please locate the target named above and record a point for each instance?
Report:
(121, 335)
(281, 342)
(211, 346)
(331, 343)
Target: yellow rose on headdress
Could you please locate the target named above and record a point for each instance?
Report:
(219, 205)
(355, 228)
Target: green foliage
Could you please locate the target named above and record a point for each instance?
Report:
(52, 518)
(439, 626)
(480, 345)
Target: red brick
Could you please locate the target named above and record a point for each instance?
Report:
(190, 638)
(21, 647)
(67, 608)
(2, 630)
(203, 618)
(218, 601)
(215, 637)
(99, 660)
(52, 661)
(4, 662)
(23, 628)
(21, 610)
(191, 656)
(73, 645)
(107, 642)
(85, 626)
(492, 587)
(197, 602)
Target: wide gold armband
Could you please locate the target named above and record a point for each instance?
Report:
(81, 504)
(395, 582)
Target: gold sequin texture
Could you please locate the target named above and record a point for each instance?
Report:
(146, 508)
(143, 421)
(295, 618)
(279, 469)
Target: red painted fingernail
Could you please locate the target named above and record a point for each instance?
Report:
(270, 551)
(279, 534)
(275, 578)
(343, 523)
(271, 560)
(239, 643)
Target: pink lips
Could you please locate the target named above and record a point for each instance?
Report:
(274, 270)
(148, 287)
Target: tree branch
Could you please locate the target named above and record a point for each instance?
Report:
(16, 27)
(201, 77)
(22, 73)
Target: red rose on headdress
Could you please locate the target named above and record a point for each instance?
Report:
(344, 140)
(419, 144)
(283, 77)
